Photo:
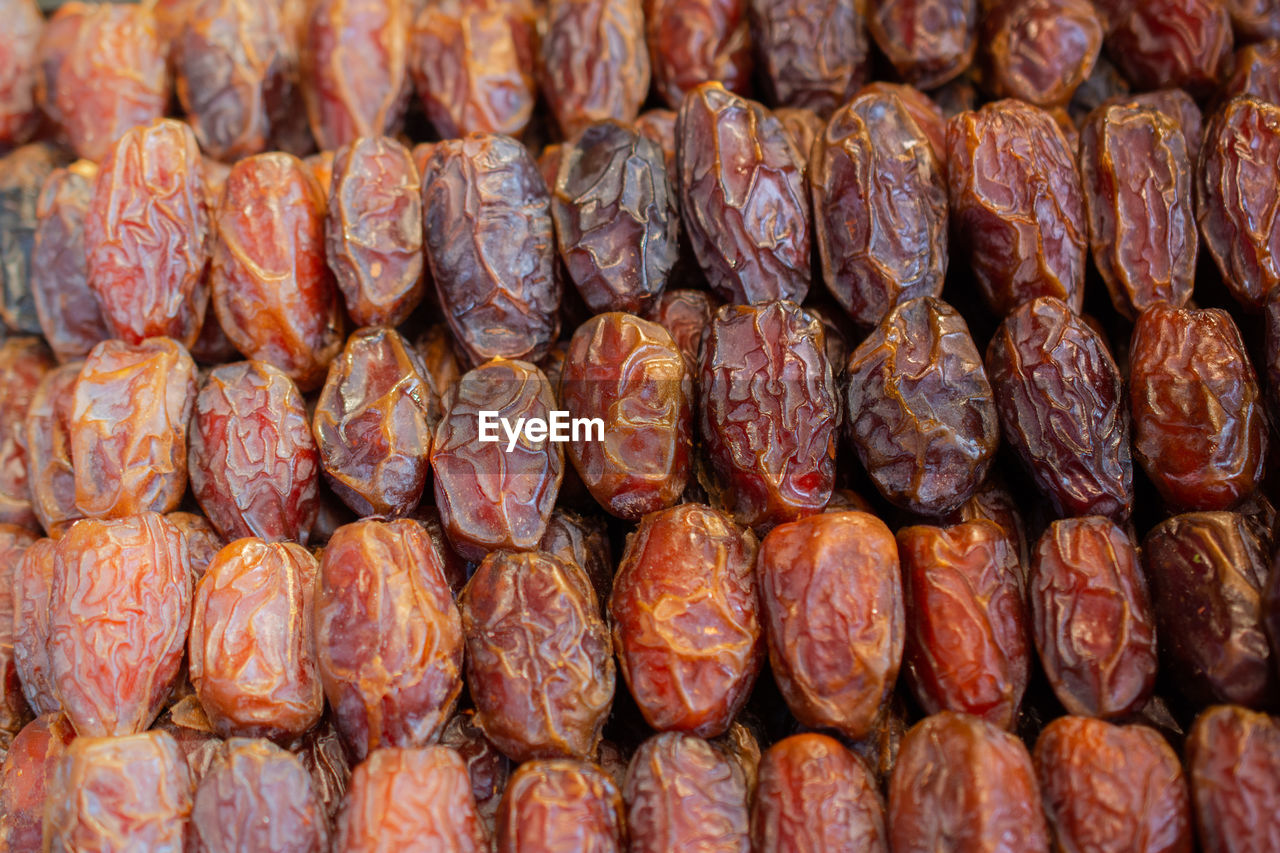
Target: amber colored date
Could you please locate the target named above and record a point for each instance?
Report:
(24, 362)
(814, 55)
(27, 770)
(691, 41)
(594, 64)
(1233, 762)
(560, 805)
(927, 43)
(32, 583)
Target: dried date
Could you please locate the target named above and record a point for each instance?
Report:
(14, 713)
(23, 365)
(1255, 70)
(1039, 51)
(684, 314)
(584, 541)
(27, 770)
(594, 64)
(691, 41)
(814, 55)
(1180, 43)
(560, 805)
(19, 113)
(1233, 763)
(927, 43)
(23, 173)
(32, 583)
(488, 769)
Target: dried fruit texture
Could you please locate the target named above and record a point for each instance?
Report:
(13, 706)
(967, 643)
(814, 55)
(742, 196)
(1233, 762)
(322, 754)
(692, 41)
(1091, 618)
(1199, 429)
(32, 583)
(487, 768)
(22, 175)
(1216, 649)
(490, 246)
(130, 409)
(490, 498)
(686, 625)
(539, 662)
(27, 771)
(19, 114)
(594, 64)
(1062, 408)
(355, 68)
(1039, 51)
(103, 72)
(1239, 209)
(560, 805)
(372, 425)
(960, 783)
(443, 371)
(1255, 70)
(229, 65)
(814, 795)
(251, 655)
(410, 799)
(388, 637)
(119, 610)
(1254, 19)
(373, 231)
(67, 308)
(659, 125)
(831, 597)
(803, 126)
(117, 794)
(1180, 43)
(629, 374)
(185, 720)
(1112, 788)
(927, 43)
(617, 225)
(203, 541)
(1016, 204)
(920, 411)
(256, 796)
(253, 461)
(926, 112)
(272, 289)
(23, 364)
(584, 541)
(1137, 180)
(684, 314)
(769, 411)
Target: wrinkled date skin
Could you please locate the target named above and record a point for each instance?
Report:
(130, 409)
(928, 42)
(1041, 50)
(119, 793)
(742, 197)
(691, 41)
(1137, 178)
(410, 799)
(1255, 71)
(256, 796)
(682, 793)
(22, 175)
(24, 362)
(815, 55)
(251, 654)
(389, 640)
(32, 583)
(967, 642)
(616, 220)
(373, 231)
(1207, 571)
(325, 759)
(1062, 408)
(1233, 762)
(920, 411)
(1112, 789)
(926, 112)
(1239, 193)
(960, 783)
(488, 769)
(146, 235)
(770, 412)
(583, 540)
(594, 62)
(27, 770)
(813, 796)
(19, 114)
(372, 424)
(1199, 428)
(273, 292)
(539, 660)
(880, 207)
(14, 541)
(1091, 618)
(1017, 204)
(560, 805)
(490, 498)
(491, 247)
(686, 624)
(684, 314)
(252, 458)
(831, 596)
(630, 374)
(803, 126)
(1181, 43)
(119, 611)
(203, 541)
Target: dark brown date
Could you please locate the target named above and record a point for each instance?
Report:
(24, 362)
(560, 805)
(691, 41)
(27, 770)
(583, 540)
(325, 759)
(928, 43)
(814, 55)
(488, 769)
(1233, 762)
(32, 583)
(14, 713)
(1180, 43)
(1039, 51)
(23, 173)
(19, 113)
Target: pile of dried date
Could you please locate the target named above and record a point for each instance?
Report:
(590, 425)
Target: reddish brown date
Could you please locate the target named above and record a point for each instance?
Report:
(1233, 762)
(583, 540)
(22, 176)
(491, 248)
(32, 583)
(388, 637)
(814, 56)
(742, 197)
(803, 126)
(831, 597)
(629, 374)
(686, 624)
(1062, 409)
(926, 112)
(1180, 43)
(1255, 70)
(962, 784)
(1039, 51)
(1137, 178)
(322, 754)
(1199, 428)
(24, 362)
(273, 292)
(927, 43)
(684, 314)
(1112, 788)
(14, 541)
(203, 541)
(487, 767)
(1016, 204)
(27, 770)
(253, 461)
(560, 805)
(967, 642)
(19, 113)
(691, 41)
